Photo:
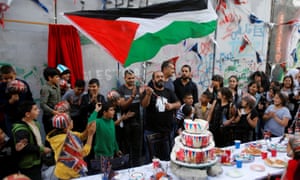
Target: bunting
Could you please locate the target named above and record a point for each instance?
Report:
(239, 2)
(245, 43)
(3, 8)
(41, 5)
(254, 19)
(258, 57)
(194, 49)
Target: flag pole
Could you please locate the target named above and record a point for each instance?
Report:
(55, 11)
(118, 78)
(214, 55)
(144, 65)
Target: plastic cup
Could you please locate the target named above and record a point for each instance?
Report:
(264, 154)
(228, 153)
(239, 163)
(155, 162)
(237, 144)
(224, 158)
(273, 152)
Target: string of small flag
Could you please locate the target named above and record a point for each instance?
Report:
(222, 6)
(5, 6)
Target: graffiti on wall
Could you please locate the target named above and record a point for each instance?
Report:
(243, 45)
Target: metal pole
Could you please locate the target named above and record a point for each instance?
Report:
(55, 11)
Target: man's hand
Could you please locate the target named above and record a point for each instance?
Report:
(149, 90)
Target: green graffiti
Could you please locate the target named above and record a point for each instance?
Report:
(28, 74)
(84, 40)
(2, 64)
(231, 68)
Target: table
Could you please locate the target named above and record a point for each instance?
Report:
(245, 170)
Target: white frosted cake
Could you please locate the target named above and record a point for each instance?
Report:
(196, 140)
(196, 126)
(195, 145)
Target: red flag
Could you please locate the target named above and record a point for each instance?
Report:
(290, 22)
(3, 8)
(221, 6)
(245, 43)
(239, 2)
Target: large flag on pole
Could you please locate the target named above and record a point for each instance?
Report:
(137, 35)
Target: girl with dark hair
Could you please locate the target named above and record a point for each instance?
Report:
(221, 116)
(261, 79)
(252, 89)
(216, 85)
(246, 120)
(288, 90)
(234, 87)
(277, 116)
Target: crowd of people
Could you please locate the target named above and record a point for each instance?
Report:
(84, 126)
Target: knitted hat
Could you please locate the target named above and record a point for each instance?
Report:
(62, 69)
(113, 95)
(62, 107)
(61, 121)
(295, 143)
(16, 87)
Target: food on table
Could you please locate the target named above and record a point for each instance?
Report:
(275, 163)
(253, 151)
(219, 151)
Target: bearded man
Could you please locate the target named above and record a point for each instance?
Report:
(184, 84)
(159, 103)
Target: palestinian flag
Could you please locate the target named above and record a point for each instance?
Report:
(138, 35)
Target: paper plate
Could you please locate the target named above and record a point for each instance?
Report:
(137, 175)
(257, 167)
(234, 173)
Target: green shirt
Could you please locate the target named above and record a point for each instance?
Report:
(105, 141)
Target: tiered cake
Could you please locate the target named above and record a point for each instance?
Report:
(195, 146)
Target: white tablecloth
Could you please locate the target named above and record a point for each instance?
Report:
(247, 173)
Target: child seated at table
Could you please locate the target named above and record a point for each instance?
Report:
(293, 168)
